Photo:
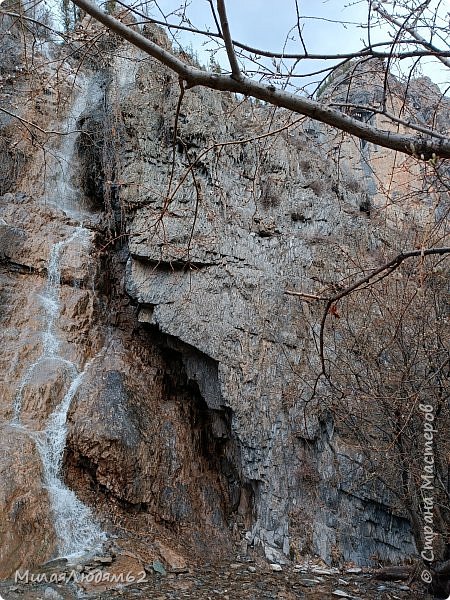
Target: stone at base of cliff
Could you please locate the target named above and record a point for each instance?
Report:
(175, 562)
(125, 570)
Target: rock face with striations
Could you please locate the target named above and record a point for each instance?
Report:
(194, 413)
(209, 263)
(142, 448)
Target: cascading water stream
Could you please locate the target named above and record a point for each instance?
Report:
(51, 305)
(60, 191)
(76, 530)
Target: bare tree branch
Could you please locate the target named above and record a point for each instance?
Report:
(383, 271)
(412, 32)
(419, 147)
(389, 115)
(34, 126)
(365, 51)
(213, 12)
(304, 295)
(235, 70)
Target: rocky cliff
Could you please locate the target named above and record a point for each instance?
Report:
(192, 424)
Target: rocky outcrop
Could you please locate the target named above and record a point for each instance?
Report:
(141, 436)
(209, 264)
(193, 422)
(139, 443)
(406, 193)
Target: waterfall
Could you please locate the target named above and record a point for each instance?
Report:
(50, 299)
(76, 530)
(59, 189)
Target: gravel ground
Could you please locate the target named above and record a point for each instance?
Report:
(246, 580)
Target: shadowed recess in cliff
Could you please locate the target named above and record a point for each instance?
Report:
(148, 446)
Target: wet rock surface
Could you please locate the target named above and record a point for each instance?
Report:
(26, 530)
(139, 447)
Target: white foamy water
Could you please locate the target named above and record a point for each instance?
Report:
(75, 527)
(60, 189)
(51, 305)
(27, 378)
(76, 530)
(50, 299)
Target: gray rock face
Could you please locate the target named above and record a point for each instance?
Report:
(210, 260)
(139, 447)
(52, 594)
(196, 410)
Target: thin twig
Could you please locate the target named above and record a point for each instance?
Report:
(384, 270)
(304, 295)
(366, 51)
(413, 32)
(31, 124)
(392, 117)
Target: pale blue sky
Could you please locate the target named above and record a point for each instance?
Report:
(265, 24)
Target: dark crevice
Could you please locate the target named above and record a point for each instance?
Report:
(211, 420)
(172, 265)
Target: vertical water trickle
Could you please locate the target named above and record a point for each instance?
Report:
(76, 530)
(50, 299)
(60, 191)
(51, 307)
